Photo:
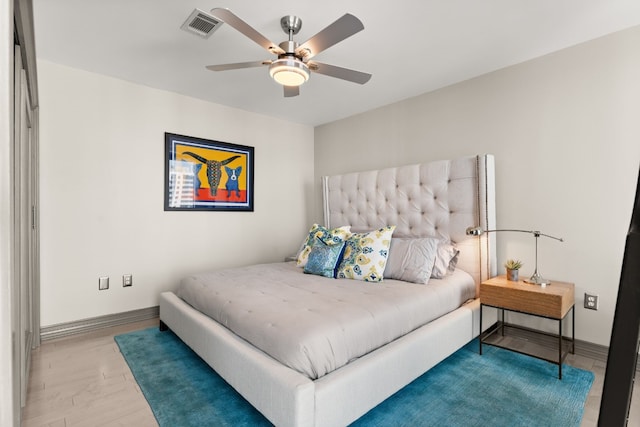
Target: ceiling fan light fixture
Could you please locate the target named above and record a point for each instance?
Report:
(289, 72)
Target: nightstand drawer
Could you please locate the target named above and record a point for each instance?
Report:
(553, 301)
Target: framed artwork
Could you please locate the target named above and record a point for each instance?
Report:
(203, 175)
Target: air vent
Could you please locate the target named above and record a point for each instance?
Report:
(201, 24)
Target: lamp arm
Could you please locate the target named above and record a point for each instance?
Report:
(537, 277)
(535, 233)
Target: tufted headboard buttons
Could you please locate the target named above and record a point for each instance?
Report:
(436, 199)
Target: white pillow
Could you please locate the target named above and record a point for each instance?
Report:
(411, 259)
(446, 259)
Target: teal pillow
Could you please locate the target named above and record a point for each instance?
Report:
(323, 258)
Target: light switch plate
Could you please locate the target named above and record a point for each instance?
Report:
(103, 283)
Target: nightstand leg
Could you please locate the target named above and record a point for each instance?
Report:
(560, 349)
(573, 330)
(480, 334)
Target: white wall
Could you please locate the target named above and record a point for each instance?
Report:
(9, 416)
(565, 130)
(102, 189)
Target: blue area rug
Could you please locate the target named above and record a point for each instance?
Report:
(499, 388)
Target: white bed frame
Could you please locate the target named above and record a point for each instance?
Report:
(440, 199)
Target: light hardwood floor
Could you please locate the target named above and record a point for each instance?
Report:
(83, 380)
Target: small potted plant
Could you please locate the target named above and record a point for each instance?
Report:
(512, 266)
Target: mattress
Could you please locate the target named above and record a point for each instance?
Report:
(315, 324)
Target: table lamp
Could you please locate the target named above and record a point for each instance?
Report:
(536, 278)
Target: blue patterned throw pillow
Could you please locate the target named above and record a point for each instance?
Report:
(323, 258)
(336, 236)
(365, 255)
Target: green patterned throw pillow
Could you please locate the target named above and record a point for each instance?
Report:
(365, 255)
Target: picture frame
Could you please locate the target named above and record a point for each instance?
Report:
(207, 175)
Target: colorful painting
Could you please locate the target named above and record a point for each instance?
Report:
(201, 174)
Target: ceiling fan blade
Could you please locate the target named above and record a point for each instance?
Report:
(339, 72)
(344, 27)
(237, 65)
(290, 91)
(231, 19)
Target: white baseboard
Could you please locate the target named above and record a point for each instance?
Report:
(96, 323)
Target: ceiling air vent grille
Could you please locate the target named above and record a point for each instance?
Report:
(201, 24)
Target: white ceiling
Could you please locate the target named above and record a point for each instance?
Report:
(410, 47)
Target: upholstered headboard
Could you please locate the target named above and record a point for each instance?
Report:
(436, 199)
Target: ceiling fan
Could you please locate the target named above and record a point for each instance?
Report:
(293, 66)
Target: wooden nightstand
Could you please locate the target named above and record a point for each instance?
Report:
(553, 301)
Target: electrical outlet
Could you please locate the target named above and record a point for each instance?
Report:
(127, 280)
(103, 283)
(590, 301)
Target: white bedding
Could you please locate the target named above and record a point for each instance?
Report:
(314, 324)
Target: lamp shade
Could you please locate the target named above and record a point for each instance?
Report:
(289, 72)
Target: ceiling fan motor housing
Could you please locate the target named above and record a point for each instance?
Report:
(289, 47)
(289, 69)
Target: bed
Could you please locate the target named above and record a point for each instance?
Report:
(331, 386)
